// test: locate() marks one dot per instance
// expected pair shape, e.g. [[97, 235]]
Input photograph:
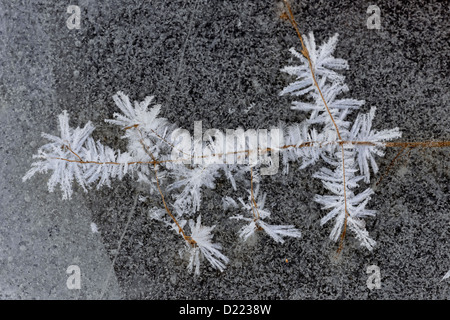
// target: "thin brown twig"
[[180, 229], [341, 243], [252, 195], [391, 165], [256, 216], [305, 53], [424, 144], [73, 152]]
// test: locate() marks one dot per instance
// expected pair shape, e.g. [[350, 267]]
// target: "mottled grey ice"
[[210, 61]]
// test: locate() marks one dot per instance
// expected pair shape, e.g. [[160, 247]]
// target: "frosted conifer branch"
[[72, 155], [203, 246], [194, 179], [322, 138], [362, 131], [277, 232], [324, 65], [340, 202]]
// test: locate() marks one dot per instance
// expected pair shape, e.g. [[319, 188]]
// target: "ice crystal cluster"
[[326, 137]]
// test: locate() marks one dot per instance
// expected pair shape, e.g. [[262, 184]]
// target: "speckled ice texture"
[[209, 61]]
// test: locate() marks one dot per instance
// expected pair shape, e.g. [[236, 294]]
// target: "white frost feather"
[[204, 247]]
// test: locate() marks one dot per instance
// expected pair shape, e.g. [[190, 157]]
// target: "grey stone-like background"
[[209, 61]]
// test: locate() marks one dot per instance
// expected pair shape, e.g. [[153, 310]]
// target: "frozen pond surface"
[[210, 61]]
